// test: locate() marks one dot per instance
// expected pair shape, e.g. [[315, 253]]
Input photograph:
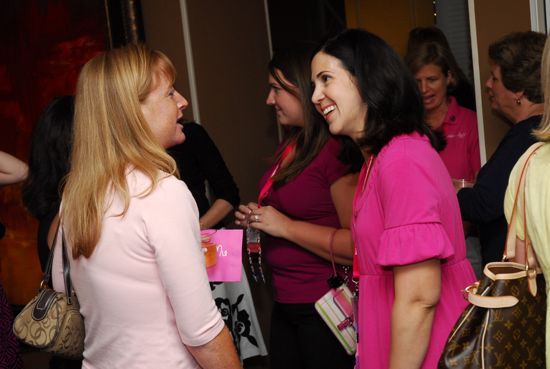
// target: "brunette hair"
[[294, 65], [519, 56], [421, 35], [111, 136], [49, 157], [385, 85]]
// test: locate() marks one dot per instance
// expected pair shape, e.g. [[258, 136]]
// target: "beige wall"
[[493, 19], [230, 50], [390, 19]]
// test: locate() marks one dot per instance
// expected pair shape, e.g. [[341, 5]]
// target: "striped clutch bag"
[[336, 309]]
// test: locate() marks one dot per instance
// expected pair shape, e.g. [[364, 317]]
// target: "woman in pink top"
[[406, 223], [432, 65], [132, 227]]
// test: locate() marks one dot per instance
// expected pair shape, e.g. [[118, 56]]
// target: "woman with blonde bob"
[[136, 266], [537, 192]]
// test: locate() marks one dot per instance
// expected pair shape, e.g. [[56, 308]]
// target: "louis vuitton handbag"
[[52, 321], [504, 325]]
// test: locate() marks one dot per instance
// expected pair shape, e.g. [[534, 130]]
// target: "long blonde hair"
[[111, 136], [543, 133]]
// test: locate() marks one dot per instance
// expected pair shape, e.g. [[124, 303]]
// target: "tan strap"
[[510, 249], [490, 302]]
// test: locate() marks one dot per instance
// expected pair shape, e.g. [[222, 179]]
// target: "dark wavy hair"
[[294, 63], [49, 157], [519, 55], [385, 84]]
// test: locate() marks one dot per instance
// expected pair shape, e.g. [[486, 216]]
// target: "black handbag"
[[51, 321], [504, 326]]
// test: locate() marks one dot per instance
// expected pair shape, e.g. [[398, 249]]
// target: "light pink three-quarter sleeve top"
[[144, 291]]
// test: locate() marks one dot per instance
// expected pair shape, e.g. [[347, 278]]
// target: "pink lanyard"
[[361, 185], [269, 183]]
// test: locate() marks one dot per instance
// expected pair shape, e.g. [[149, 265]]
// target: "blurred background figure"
[[12, 170], [434, 67], [199, 160], [461, 89], [514, 89], [48, 165]]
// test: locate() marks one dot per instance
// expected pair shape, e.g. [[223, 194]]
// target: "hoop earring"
[[518, 101]]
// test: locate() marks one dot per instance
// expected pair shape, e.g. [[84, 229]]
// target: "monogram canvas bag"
[[52, 321], [504, 325]]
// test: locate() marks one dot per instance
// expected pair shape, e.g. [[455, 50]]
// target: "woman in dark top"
[[199, 160], [48, 164], [515, 92]]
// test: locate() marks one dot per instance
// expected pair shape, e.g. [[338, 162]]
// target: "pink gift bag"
[[228, 257]]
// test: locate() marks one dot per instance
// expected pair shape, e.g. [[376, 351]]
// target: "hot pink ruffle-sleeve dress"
[[407, 213]]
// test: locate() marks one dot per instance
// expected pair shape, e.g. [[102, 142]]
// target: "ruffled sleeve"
[[413, 197], [414, 243]]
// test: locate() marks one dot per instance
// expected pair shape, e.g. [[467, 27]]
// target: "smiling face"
[[433, 83], [162, 108], [287, 106], [502, 99], [336, 96]]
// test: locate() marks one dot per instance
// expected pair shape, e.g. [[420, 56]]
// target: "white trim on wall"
[[538, 15], [189, 59], [280, 132], [477, 81]]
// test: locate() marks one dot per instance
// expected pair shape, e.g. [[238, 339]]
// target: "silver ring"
[[256, 218]]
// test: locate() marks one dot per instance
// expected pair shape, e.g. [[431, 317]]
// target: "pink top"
[[408, 213], [298, 275], [461, 155], [144, 292]]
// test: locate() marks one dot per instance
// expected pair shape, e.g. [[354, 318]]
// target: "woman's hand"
[[243, 215], [271, 221], [267, 219]]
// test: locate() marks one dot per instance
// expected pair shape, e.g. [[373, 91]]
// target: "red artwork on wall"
[[44, 44]]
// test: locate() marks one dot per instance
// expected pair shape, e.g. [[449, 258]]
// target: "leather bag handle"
[[510, 249], [66, 265], [531, 264]]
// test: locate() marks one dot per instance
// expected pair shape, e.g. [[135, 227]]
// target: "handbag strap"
[[510, 249], [48, 272], [66, 265], [66, 269], [330, 247]]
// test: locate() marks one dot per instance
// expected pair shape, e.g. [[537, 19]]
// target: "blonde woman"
[[132, 227], [537, 191]]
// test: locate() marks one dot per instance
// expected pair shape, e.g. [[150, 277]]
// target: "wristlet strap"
[[330, 247]]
